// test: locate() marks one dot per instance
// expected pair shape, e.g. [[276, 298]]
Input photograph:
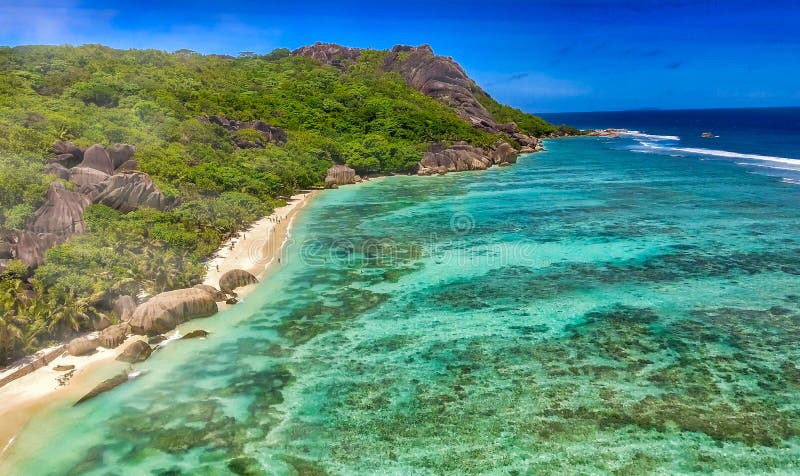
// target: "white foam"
[[649, 136], [725, 153]]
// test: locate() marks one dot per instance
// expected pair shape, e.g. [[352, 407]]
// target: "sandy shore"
[[256, 250]]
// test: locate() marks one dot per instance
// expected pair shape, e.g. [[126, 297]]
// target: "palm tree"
[[68, 313]]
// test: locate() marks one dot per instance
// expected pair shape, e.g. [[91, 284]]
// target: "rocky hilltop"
[[443, 79]]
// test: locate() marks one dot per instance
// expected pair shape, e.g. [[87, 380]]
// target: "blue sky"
[[541, 56]]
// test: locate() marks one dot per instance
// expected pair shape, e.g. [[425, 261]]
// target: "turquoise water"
[[590, 310]]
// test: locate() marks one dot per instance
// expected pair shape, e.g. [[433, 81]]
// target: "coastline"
[[255, 250]]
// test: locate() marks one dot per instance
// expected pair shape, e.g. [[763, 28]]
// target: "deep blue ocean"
[[607, 306], [764, 140]]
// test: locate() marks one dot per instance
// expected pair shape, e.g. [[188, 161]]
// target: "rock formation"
[[82, 346], [270, 134], [124, 307], [442, 79], [67, 153], [235, 278], [29, 247], [199, 333], [120, 153], [330, 54], [137, 351], [128, 191], [113, 336], [61, 213], [86, 177], [218, 295], [165, 311], [340, 175], [58, 170], [105, 386], [460, 157], [96, 157]]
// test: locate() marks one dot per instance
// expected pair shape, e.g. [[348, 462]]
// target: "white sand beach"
[[255, 250]]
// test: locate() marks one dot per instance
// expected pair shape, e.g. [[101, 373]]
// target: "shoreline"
[[254, 250]]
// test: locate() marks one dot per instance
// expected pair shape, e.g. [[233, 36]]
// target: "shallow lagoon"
[[588, 310]]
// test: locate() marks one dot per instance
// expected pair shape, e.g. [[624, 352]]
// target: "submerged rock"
[[104, 386], [165, 311], [199, 333], [137, 351], [235, 278]]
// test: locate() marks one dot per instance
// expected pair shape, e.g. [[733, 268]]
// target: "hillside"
[[214, 143]]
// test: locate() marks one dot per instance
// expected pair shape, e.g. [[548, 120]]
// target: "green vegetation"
[[527, 123], [363, 117]]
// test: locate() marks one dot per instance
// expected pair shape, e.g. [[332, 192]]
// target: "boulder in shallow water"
[[199, 333], [137, 351], [105, 386], [235, 278], [82, 346], [163, 312]]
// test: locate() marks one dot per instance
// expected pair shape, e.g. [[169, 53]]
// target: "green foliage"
[[527, 123], [361, 116]]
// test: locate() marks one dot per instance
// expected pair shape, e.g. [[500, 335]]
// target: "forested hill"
[[222, 139]]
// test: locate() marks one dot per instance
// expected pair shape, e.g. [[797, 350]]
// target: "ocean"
[[609, 305]]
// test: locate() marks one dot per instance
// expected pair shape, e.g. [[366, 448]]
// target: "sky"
[[540, 55]]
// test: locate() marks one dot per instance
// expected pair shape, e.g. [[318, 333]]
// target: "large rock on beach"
[[235, 278], [123, 307], [82, 346], [218, 295], [113, 336], [458, 157], [339, 175], [137, 351], [167, 310]]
